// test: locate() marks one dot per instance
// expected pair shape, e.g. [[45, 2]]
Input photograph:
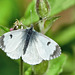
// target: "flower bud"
[[42, 8]]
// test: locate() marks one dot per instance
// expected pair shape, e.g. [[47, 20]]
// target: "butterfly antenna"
[[31, 18]]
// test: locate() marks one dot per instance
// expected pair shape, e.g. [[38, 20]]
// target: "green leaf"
[[48, 23], [45, 24], [41, 68], [29, 71], [56, 65], [3, 29], [69, 65], [59, 6], [30, 15], [8, 11], [66, 35]]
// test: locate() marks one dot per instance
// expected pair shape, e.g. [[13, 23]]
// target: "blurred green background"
[[62, 31]]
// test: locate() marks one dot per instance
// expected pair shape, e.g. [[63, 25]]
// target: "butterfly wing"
[[47, 48], [31, 55], [13, 43], [40, 47]]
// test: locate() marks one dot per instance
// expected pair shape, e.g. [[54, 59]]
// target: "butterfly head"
[[31, 28]]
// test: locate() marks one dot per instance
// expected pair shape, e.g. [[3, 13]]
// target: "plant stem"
[[21, 66]]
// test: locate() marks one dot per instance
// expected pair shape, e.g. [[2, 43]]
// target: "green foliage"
[[53, 67], [48, 23], [56, 65], [68, 33], [56, 7], [29, 71], [3, 29], [8, 11], [7, 65], [30, 14], [41, 68]]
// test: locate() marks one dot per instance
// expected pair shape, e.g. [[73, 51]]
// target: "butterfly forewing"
[[47, 48], [13, 43]]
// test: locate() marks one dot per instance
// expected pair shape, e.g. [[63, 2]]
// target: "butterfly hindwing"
[[17, 53]]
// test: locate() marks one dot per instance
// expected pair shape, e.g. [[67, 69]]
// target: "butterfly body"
[[29, 33], [32, 46]]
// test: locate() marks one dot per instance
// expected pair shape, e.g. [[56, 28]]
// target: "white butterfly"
[[32, 46]]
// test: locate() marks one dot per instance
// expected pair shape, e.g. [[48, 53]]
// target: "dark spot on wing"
[[48, 43], [2, 42], [57, 52], [11, 36]]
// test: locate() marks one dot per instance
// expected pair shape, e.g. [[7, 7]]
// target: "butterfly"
[[32, 46]]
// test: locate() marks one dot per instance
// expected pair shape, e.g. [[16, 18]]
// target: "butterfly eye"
[[48, 43], [11, 36]]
